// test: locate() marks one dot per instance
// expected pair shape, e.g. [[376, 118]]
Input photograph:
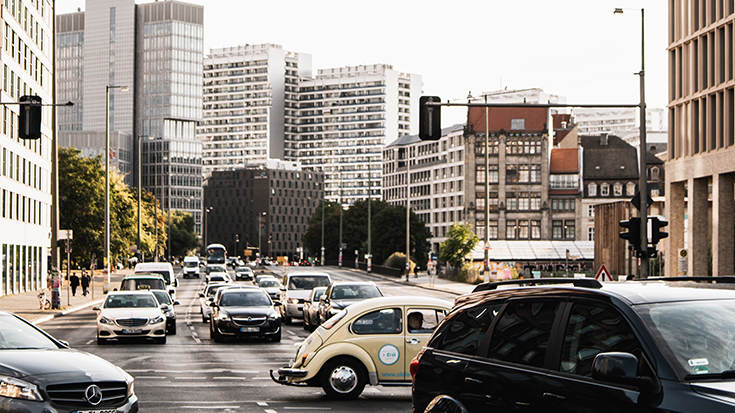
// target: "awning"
[[535, 250]]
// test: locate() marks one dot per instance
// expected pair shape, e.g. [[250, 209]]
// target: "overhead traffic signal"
[[634, 233], [29, 117], [656, 233], [430, 123]]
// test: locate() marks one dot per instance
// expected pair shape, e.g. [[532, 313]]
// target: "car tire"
[[101, 341], [161, 340], [214, 335], [288, 320], [306, 324], [343, 379], [276, 337], [172, 331]]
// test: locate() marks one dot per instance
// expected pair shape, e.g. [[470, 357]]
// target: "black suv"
[[582, 346]]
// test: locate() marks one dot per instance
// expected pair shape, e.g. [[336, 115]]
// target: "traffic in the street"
[[191, 372]]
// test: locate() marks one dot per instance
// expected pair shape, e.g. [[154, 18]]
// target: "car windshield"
[[268, 283], [191, 264], [308, 282], [162, 297], [130, 301], [217, 278], [165, 274], [699, 335], [16, 334], [351, 292], [211, 291], [142, 284], [244, 299]]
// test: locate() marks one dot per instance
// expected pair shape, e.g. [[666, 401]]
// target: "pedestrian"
[[85, 283], [74, 282]]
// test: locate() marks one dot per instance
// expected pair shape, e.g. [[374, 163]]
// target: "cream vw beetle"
[[371, 342]]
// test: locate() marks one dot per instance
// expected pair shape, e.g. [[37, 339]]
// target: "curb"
[[65, 312]]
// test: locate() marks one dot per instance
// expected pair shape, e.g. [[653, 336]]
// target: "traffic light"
[[634, 232], [656, 233], [29, 118], [430, 123]]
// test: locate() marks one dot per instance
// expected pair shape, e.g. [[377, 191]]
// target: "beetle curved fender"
[[321, 357]]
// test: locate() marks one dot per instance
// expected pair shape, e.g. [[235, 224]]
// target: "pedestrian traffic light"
[[656, 233], [634, 232], [430, 124], [29, 117]]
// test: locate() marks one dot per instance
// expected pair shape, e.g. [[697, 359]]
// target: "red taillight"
[[334, 320], [414, 367]]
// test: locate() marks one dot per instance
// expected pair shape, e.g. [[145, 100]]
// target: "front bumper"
[[294, 310], [286, 376], [115, 331], [17, 405], [230, 328]]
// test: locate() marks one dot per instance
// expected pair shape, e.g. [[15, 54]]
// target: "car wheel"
[[214, 335], [445, 404], [343, 379], [101, 341], [172, 330], [276, 337], [306, 325], [288, 320], [161, 340]]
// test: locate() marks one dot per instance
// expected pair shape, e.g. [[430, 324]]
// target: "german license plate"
[[95, 411], [131, 331], [249, 329]]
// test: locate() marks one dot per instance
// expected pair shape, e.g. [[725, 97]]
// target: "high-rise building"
[[155, 51], [250, 105], [700, 170], [346, 117], [25, 165]]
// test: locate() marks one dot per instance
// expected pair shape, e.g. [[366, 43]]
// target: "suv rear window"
[[522, 333], [464, 333]]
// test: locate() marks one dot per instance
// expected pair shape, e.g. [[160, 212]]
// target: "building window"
[[535, 174], [569, 229], [511, 202], [480, 228], [562, 204], [630, 189], [591, 234], [556, 229], [517, 124], [535, 229], [493, 234], [523, 229], [618, 189], [510, 229], [604, 190], [655, 173], [511, 174], [592, 189], [591, 211]]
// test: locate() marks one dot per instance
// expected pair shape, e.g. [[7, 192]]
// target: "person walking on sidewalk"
[[74, 282], [85, 283]]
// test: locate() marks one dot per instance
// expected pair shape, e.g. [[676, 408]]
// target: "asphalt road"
[[191, 373]]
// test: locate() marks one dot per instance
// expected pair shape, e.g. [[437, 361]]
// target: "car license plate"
[[249, 329], [95, 411], [132, 330]]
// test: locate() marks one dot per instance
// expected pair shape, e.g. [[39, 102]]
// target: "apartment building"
[[250, 105], [346, 118], [25, 165]]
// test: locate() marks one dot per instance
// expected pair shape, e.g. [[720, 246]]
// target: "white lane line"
[[150, 377], [212, 407], [262, 404], [89, 342], [190, 378], [261, 378], [244, 371], [230, 378], [270, 411], [306, 408]]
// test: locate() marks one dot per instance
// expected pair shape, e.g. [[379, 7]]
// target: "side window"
[[385, 321], [522, 333], [593, 329], [465, 332], [423, 320]]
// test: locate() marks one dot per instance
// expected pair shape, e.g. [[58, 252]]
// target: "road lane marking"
[[262, 404], [306, 408], [230, 378], [150, 377], [212, 407]]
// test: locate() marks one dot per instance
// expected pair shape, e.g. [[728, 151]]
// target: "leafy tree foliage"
[[183, 237], [461, 240], [388, 231]]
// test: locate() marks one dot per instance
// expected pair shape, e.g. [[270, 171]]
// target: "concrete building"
[[346, 117], [268, 206], [437, 178], [700, 170], [25, 165], [618, 121], [250, 105], [156, 50]]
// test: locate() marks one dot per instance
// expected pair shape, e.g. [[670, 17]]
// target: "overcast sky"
[[574, 48]]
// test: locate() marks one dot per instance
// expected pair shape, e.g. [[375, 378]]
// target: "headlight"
[[222, 316], [295, 301], [105, 320], [130, 381], [272, 316], [158, 319], [18, 389]]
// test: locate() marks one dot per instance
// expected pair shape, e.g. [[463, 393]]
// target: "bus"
[[216, 254]]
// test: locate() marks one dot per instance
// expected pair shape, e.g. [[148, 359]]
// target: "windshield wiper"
[[727, 374]]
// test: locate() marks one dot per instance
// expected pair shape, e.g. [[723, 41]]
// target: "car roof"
[[143, 276], [341, 283], [134, 292], [153, 266], [398, 300], [307, 273]]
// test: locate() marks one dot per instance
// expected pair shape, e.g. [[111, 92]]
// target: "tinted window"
[[386, 321], [521, 334], [307, 282], [464, 333], [591, 330], [350, 292], [17, 334], [244, 299]]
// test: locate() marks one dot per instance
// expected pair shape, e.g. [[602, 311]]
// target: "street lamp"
[[106, 277], [643, 183], [261, 229], [206, 225]]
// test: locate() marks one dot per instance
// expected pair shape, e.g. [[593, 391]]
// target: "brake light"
[[414, 367], [334, 320]]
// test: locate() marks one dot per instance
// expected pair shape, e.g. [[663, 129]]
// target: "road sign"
[[603, 274], [487, 246], [636, 201], [65, 234]]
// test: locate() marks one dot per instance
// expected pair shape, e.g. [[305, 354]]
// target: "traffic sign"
[[636, 201], [487, 246], [603, 274]]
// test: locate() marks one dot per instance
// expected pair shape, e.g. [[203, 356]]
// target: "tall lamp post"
[[642, 151], [106, 280], [206, 224], [261, 229]]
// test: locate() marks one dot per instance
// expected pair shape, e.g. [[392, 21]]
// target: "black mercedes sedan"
[[245, 312], [41, 374]]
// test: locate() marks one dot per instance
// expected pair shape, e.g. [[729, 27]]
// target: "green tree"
[[461, 240], [183, 237]]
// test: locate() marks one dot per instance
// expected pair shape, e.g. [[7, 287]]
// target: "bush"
[[398, 260]]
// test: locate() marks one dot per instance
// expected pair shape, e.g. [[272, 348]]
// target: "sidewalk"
[[26, 304], [432, 283]]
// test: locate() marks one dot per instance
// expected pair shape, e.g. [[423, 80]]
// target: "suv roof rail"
[[724, 280], [577, 282]]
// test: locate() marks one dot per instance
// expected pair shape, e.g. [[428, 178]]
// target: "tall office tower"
[[700, 170], [25, 165], [250, 105], [346, 117], [146, 61]]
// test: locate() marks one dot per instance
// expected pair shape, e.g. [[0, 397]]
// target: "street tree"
[[461, 240], [183, 236]]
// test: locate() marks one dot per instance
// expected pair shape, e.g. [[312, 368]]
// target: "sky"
[[577, 49]]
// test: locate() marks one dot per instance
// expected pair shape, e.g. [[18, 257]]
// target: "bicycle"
[[43, 302]]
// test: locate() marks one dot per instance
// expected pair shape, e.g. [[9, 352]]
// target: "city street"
[[192, 373]]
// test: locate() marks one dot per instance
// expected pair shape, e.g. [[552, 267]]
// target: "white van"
[[165, 269], [191, 267]]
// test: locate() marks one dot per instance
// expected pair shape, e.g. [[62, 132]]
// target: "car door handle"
[[554, 396], [470, 380], [412, 340]]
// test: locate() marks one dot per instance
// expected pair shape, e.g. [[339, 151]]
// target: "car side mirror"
[[617, 367], [201, 295], [176, 282], [210, 299], [96, 308], [282, 288], [64, 343], [176, 303], [164, 307], [277, 303], [323, 298]]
